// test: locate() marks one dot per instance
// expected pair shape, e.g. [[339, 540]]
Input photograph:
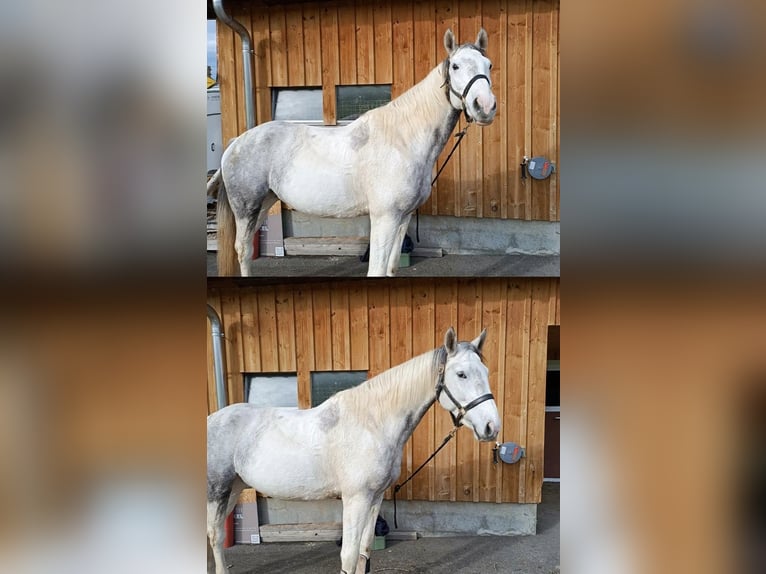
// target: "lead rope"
[[398, 487], [460, 135]]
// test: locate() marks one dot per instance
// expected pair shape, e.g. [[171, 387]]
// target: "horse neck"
[[398, 398], [425, 112]]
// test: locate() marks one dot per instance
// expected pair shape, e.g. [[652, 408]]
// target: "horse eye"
[[490, 66], [455, 66], [461, 374]]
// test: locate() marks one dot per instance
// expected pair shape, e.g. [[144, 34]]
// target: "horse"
[[378, 165], [349, 447]]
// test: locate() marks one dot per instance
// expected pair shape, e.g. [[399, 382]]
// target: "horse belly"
[[322, 189], [288, 474]]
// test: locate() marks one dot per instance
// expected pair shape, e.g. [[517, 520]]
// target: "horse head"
[[467, 75], [463, 387]]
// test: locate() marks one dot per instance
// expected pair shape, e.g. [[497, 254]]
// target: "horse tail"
[[214, 183], [228, 264]]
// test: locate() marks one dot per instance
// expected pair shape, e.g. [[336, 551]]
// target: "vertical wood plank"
[[341, 336], [312, 42], [304, 343], [424, 42], [267, 329], [403, 57], [322, 328], [422, 342], [278, 28], [378, 300], [538, 354], [518, 294], [445, 316], [470, 199], [543, 137], [360, 337], [262, 62], [494, 137], [296, 64], [518, 109], [251, 345], [330, 61], [469, 320], [383, 42], [448, 184], [401, 351], [347, 42], [285, 308], [227, 80], [493, 320], [365, 44], [232, 325]]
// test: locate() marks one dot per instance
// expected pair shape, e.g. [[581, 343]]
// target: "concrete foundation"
[[456, 235], [426, 518]]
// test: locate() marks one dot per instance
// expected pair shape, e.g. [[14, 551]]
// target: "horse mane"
[[398, 387], [405, 115]]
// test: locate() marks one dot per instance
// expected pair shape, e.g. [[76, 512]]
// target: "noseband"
[[462, 410]]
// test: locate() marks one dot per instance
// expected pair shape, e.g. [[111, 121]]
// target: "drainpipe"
[[219, 359], [247, 59]]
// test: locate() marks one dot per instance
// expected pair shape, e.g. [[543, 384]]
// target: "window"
[[271, 390], [325, 384], [353, 101], [297, 104]]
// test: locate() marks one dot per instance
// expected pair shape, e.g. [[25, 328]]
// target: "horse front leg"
[[365, 544], [395, 255], [356, 512], [383, 231]]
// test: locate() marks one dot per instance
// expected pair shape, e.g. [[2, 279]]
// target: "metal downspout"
[[219, 359], [247, 59]]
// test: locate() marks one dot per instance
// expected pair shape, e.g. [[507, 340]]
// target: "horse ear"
[[449, 41], [482, 40], [478, 342], [450, 341]]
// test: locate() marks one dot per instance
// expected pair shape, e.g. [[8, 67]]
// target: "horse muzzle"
[[483, 111]]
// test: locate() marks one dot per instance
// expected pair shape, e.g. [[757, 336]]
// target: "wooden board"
[[310, 532], [352, 246], [398, 43], [374, 325]]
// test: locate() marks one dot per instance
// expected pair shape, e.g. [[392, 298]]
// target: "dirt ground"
[[538, 554]]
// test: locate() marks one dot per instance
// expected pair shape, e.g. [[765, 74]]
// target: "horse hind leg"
[[396, 250], [383, 231], [248, 224], [219, 506]]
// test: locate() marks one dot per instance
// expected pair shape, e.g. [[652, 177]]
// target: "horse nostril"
[[477, 105], [494, 106], [488, 430]]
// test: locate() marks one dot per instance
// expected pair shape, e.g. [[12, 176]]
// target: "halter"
[[462, 410]]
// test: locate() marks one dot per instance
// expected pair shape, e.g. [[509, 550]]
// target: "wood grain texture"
[[397, 43], [375, 325]]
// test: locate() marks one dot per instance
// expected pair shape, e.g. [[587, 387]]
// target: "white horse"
[[350, 446], [380, 164]]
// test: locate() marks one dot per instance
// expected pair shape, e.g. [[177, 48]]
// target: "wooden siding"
[[398, 42], [373, 326]]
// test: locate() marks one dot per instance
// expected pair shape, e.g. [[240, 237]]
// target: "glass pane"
[[304, 104], [272, 390], [353, 101], [326, 384]]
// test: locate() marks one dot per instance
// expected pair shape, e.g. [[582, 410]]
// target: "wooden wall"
[[398, 42], [372, 325]]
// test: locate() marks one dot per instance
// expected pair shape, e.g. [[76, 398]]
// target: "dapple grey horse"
[[381, 164], [349, 447]]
